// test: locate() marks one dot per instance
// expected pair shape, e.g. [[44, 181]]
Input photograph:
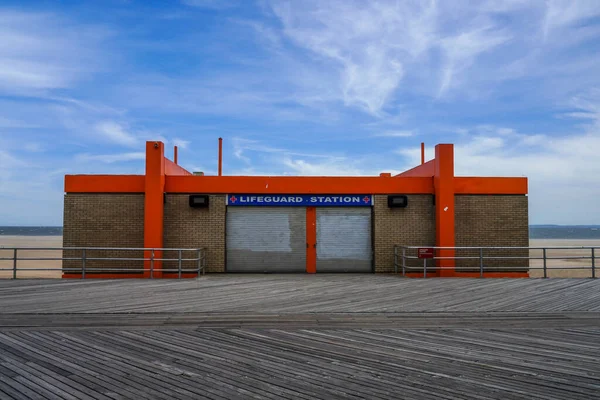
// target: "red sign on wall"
[[425, 252]]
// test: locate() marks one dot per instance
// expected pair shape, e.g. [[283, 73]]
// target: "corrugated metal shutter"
[[344, 239], [266, 239]]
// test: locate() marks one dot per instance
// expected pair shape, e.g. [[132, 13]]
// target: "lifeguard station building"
[[293, 223]]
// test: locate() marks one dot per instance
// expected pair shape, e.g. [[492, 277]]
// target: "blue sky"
[[323, 87]]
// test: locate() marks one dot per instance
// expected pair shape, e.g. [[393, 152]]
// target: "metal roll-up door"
[[266, 239], [344, 239]]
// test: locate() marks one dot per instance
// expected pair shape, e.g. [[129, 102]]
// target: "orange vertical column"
[[154, 205], [311, 240], [443, 181]]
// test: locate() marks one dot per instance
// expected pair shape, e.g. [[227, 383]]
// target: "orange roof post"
[[443, 182], [154, 205], [175, 154], [220, 156], [422, 153]]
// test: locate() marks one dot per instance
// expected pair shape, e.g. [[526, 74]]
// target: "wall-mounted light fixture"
[[397, 201], [198, 201]]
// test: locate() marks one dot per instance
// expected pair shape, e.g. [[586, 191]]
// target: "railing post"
[[424, 268], [199, 256], [544, 256], [481, 262], [15, 264], [83, 264], [179, 267], [404, 261], [593, 262], [395, 259], [152, 264]]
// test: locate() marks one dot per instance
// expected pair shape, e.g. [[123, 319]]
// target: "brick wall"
[[495, 221], [103, 220], [187, 227], [410, 226], [117, 220]]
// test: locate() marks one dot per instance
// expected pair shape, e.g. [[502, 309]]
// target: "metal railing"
[[549, 263], [85, 262]]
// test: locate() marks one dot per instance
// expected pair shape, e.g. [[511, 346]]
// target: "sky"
[[315, 87]]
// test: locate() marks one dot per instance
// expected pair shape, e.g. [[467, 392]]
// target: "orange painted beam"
[[480, 185], [172, 169], [104, 183], [154, 204], [444, 205], [297, 185], [425, 170], [136, 184], [311, 240]]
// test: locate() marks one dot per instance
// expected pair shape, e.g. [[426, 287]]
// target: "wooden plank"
[[414, 320]]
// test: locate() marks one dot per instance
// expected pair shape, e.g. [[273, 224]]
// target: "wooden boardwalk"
[[300, 294], [300, 337], [302, 364]]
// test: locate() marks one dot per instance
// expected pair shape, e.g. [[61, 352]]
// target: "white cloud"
[[375, 45], [562, 13], [588, 105], [211, 4], [260, 159], [369, 45], [462, 50], [332, 167], [49, 53], [33, 147], [111, 158], [563, 170], [395, 134], [13, 123], [242, 146], [379, 51], [563, 173], [180, 143], [8, 161], [115, 133]]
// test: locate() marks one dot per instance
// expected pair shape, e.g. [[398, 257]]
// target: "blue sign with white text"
[[301, 200]]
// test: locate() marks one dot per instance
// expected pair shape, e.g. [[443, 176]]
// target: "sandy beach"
[[565, 267], [24, 266]]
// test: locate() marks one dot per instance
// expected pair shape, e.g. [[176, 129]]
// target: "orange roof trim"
[[104, 183], [479, 185], [297, 185]]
